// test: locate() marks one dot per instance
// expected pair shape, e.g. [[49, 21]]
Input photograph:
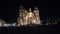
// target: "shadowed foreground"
[[34, 29]]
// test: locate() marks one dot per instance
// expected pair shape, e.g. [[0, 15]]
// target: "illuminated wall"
[[1, 22]]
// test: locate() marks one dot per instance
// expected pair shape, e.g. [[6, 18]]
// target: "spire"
[[30, 10]]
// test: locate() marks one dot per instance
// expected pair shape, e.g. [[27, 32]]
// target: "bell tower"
[[37, 16]]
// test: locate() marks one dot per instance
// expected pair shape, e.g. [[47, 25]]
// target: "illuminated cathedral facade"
[[27, 17]]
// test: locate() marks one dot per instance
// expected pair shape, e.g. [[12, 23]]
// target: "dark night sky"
[[9, 9]]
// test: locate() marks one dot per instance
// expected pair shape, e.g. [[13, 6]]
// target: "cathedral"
[[28, 17]]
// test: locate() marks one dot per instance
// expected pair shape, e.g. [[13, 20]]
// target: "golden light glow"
[[28, 17], [30, 14], [1, 22]]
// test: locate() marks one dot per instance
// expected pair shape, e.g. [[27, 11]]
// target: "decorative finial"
[[26, 11], [30, 9]]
